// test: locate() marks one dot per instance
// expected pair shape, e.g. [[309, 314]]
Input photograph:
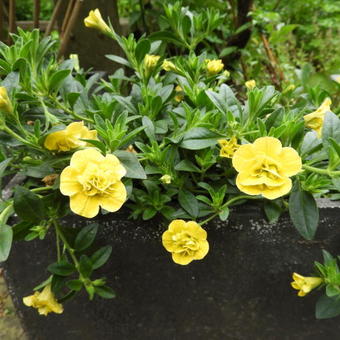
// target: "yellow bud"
[[214, 66], [169, 66], [250, 84], [5, 103], [290, 87], [179, 94], [75, 57], [166, 179], [226, 74], [95, 20], [150, 62]]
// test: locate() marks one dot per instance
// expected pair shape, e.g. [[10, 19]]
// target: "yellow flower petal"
[[181, 258], [86, 206], [243, 157], [291, 162], [81, 159], [69, 185], [115, 201], [202, 251]]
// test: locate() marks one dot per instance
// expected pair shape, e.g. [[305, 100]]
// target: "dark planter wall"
[[241, 290]]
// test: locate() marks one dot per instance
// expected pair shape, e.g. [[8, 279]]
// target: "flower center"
[[186, 243], [96, 181], [268, 170]]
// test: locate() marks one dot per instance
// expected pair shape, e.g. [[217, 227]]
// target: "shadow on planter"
[[241, 290]]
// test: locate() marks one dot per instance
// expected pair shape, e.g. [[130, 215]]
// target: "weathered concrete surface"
[[241, 290], [10, 326]]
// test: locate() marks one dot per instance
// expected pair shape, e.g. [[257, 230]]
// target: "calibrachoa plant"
[[170, 137]]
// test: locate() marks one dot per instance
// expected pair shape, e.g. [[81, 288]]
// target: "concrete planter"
[[241, 290]]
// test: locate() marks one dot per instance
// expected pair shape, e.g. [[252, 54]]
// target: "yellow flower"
[[95, 20], [336, 77], [265, 167], [305, 284], [228, 147], [250, 84], [214, 66], [69, 138], [44, 301], [187, 241], [179, 94], [166, 179], [169, 66], [5, 103], [315, 119], [150, 61], [92, 180]]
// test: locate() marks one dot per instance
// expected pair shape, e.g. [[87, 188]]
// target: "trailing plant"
[[168, 138]]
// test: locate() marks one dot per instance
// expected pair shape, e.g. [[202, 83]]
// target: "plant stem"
[[71, 112], [6, 213], [227, 204], [67, 246], [327, 172], [41, 189]]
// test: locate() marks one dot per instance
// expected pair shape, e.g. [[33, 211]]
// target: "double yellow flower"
[[264, 167], [186, 241]]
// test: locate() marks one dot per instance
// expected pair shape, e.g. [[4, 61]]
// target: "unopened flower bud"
[[95, 20], [166, 179], [5, 103], [169, 66], [214, 66], [250, 84]]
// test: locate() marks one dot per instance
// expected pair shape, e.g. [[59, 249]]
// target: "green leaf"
[[142, 48], [149, 128], [3, 166], [86, 237], [100, 257], [105, 292], [131, 164], [167, 36], [85, 266], [224, 214], [118, 59], [28, 205], [126, 103], [57, 79], [327, 307], [224, 100], [149, 213], [188, 202], [272, 211], [199, 138], [75, 285], [332, 291], [303, 212], [6, 237], [61, 268], [187, 165], [331, 128]]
